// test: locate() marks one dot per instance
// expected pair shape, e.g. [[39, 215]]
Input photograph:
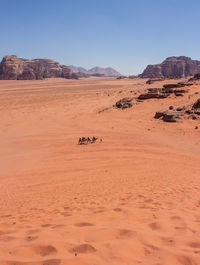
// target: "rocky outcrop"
[[186, 112], [172, 67], [165, 91], [196, 105], [168, 116], [11, 67], [124, 103], [195, 77], [153, 94], [14, 68], [177, 85]]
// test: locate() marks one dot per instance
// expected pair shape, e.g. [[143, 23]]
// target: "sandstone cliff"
[[12, 67], [172, 67]]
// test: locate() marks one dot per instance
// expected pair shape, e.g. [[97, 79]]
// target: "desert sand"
[[132, 199]]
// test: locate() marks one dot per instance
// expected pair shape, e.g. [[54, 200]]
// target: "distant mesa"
[[14, 68], [172, 67]]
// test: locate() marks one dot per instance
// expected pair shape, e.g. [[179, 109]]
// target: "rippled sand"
[[132, 199]]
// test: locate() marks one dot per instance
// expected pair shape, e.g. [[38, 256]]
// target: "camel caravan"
[[87, 140]]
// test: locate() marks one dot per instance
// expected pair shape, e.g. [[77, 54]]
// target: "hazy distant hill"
[[98, 71], [78, 69], [104, 71], [172, 67]]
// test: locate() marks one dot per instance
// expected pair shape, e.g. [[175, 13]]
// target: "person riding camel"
[[94, 139]]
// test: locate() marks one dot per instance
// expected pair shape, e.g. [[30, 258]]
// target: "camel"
[[94, 139], [84, 140]]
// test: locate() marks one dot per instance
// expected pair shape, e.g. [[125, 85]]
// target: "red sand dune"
[[132, 199]]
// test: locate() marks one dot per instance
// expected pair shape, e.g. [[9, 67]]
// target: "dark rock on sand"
[[168, 116], [124, 103], [177, 94], [164, 92], [195, 77], [177, 85], [180, 108], [121, 77], [196, 105], [193, 111], [152, 94], [188, 112], [151, 81]]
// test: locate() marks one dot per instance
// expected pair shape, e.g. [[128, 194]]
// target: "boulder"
[[180, 109], [188, 112], [178, 94]]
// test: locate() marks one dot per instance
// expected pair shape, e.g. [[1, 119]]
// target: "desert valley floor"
[[133, 198]]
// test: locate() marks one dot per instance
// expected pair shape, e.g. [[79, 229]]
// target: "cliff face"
[[13, 68], [172, 67]]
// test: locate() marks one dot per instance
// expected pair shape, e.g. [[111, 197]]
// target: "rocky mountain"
[[12, 67], [109, 72], [172, 67], [96, 71], [78, 69]]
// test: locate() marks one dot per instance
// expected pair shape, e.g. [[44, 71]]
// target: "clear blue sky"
[[124, 34]]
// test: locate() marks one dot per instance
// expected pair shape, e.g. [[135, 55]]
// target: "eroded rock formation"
[[14, 68], [176, 67]]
